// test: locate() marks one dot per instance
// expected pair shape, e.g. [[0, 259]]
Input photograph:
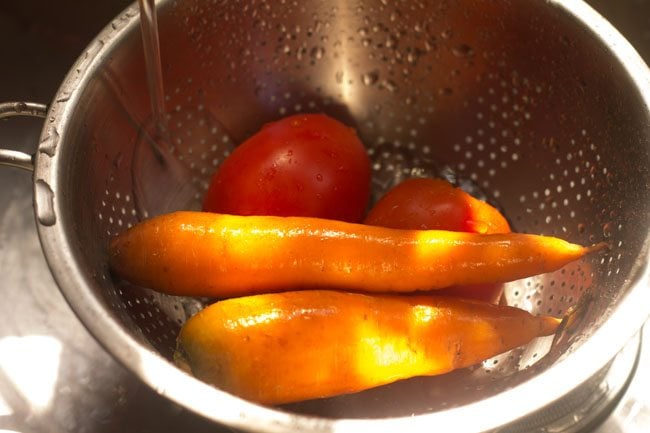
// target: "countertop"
[[54, 377]]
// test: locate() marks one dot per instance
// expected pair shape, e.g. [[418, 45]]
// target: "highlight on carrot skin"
[[293, 346], [205, 254], [435, 204]]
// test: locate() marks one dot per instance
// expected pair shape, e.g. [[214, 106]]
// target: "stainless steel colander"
[[539, 107]]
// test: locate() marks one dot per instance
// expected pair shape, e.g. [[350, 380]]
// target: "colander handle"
[[14, 158]]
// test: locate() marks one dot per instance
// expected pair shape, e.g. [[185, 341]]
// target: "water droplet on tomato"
[[319, 177], [331, 153], [270, 173]]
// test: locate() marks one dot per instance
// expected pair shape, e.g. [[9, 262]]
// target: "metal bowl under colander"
[[539, 107]]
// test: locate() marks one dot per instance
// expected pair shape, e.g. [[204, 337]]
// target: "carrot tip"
[[550, 324]]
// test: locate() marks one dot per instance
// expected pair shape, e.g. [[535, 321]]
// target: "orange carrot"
[[435, 204], [292, 346], [204, 254]]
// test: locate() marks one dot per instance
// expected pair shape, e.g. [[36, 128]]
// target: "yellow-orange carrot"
[[292, 346], [433, 203], [205, 254]]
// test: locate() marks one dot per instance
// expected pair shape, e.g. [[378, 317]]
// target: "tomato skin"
[[301, 165], [435, 204]]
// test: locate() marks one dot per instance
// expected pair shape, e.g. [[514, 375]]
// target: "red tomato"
[[435, 204], [302, 165]]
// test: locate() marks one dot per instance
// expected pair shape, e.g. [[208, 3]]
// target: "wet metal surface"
[[53, 376]]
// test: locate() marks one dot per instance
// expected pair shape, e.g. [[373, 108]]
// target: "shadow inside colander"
[[418, 395]]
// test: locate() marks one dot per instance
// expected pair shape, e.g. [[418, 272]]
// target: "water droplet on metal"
[[391, 42], [413, 56], [430, 44], [317, 53], [300, 52], [581, 228], [49, 143], [88, 56], [607, 230], [370, 78], [390, 85], [65, 95], [446, 34], [462, 50], [44, 203]]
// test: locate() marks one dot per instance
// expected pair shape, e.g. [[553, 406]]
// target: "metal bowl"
[[538, 107]]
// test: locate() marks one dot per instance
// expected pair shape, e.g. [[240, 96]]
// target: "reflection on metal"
[[32, 363], [14, 158]]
